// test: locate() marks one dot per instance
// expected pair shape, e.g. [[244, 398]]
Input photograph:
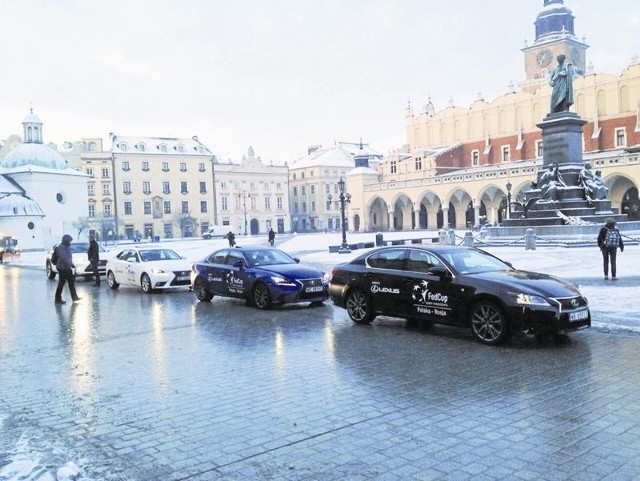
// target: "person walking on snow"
[[609, 239], [64, 263], [272, 236]]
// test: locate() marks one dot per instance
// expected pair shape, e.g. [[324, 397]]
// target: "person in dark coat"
[[94, 258], [272, 236], [609, 239], [64, 265], [231, 238]]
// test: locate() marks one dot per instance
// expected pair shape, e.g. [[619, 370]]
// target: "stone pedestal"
[[562, 141]]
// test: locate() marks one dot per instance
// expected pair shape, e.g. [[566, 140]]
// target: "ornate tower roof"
[[555, 19], [32, 151]]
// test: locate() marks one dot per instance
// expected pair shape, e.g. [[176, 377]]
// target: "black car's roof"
[[437, 248]]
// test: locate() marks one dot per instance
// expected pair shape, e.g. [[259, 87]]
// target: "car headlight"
[[157, 271], [281, 281], [326, 278], [523, 299]]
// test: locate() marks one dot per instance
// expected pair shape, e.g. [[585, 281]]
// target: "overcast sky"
[[278, 75]]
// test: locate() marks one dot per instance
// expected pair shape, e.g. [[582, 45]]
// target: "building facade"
[[252, 197], [41, 196], [460, 165], [313, 184], [157, 187]]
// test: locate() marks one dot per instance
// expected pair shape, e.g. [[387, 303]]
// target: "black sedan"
[[264, 276], [460, 286]]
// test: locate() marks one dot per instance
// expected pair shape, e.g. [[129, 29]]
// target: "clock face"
[[544, 57]]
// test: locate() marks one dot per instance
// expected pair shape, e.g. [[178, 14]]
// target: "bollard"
[[379, 239], [442, 238], [468, 239], [529, 239], [451, 237]]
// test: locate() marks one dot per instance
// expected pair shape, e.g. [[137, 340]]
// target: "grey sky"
[[279, 75]]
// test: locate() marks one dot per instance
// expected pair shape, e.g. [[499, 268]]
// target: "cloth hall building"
[[460, 164]]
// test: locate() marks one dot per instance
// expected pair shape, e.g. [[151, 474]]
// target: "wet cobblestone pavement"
[[128, 386]]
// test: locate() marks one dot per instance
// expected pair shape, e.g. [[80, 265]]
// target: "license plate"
[[578, 316], [183, 278], [314, 289]]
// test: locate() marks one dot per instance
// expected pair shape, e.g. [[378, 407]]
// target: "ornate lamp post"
[[509, 199], [345, 198], [244, 196]]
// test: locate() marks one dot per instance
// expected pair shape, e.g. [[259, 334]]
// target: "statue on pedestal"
[[549, 182], [593, 185], [562, 82]]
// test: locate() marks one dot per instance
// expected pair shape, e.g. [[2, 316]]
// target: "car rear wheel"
[[145, 283], [49, 269], [111, 280], [261, 296], [489, 324], [200, 288], [359, 307]]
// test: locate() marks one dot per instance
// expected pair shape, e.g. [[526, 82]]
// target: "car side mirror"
[[239, 264], [131, 259], [440, 271], [297, 260]]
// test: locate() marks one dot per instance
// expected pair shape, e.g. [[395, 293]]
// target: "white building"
[[252, 197], [41, 198]]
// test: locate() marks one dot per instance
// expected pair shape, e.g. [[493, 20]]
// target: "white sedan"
[[150, 268]]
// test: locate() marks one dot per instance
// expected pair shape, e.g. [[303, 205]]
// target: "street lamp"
[[509, 199], [345, 198], [244, 196]]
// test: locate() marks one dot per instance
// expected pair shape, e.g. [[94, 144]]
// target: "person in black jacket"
[[272, 236], [231, 238], [609, 239], [64, 264], [94, 258]]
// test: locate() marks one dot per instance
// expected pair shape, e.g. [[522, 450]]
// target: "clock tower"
[[554, 36]]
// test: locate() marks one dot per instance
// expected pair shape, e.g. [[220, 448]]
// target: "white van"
[[216, 231]]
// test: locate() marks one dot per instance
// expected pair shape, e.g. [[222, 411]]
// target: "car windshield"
[[158, 255], [471, 261], [268, 257]]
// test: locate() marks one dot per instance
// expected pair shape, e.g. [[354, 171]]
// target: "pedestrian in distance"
[[231, 238], [63, 261], [609, 239], [272, 236], [93, 253]]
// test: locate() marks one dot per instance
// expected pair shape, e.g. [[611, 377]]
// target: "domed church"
[[40, 196]]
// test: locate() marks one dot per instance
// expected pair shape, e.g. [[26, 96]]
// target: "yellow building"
[[461, 164], [162, 187]]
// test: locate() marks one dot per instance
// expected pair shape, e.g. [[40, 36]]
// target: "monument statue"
[[549, 182], [593, 185], [562, 82]]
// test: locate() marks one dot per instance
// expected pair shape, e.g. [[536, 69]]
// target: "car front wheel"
[[261, 296], [359, 307], [202, 293], [145, 283], [49, 269], [489, 324], [111, 280]]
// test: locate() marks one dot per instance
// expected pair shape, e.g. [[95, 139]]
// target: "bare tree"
[[80, 225], [185, 223], [104, 225]]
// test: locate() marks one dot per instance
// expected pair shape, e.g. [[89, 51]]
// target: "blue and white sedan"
[[264, 276], [150, 268]]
